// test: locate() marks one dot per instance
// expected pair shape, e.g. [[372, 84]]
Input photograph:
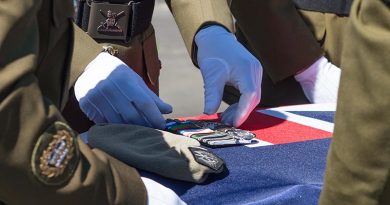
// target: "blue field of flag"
[[290, 172]]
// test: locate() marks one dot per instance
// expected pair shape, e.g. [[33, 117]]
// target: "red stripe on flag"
[[274, 130], [280, 131]]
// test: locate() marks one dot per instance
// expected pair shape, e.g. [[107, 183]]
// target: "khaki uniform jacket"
[[358, 163], [42, 161]]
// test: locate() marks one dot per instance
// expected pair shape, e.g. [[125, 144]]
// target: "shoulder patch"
[[206, 158], [55, 155]]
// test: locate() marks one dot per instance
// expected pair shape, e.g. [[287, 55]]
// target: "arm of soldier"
[[85, 49], [32, 128], [192, 15], [275, 31], [205, 27], [358, 161]]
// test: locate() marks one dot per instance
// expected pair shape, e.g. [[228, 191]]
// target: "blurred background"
[[181, 83]]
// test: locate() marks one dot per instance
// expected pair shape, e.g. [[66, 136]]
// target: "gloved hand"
[[110, 92], [320, 82], [224, 61]]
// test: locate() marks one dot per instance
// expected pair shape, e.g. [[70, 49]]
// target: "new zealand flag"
[[286, 165]]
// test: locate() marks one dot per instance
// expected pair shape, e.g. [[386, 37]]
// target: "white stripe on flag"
[[308, 121], [259, 143], [307, 107]]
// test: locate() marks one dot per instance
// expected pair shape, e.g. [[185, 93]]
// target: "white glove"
[[320, 82], [110, 92], [223, 60]]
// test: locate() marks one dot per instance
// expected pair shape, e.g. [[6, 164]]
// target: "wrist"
[[96, 71]]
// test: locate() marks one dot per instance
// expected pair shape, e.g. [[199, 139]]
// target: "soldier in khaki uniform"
[[36, 45], [358, 161], [136, 46], [285, 40], [291, 37], [42, 160], [206, 28], [272, 29]]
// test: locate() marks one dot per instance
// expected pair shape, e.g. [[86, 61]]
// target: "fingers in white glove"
[[248, 101], [224, 61], [164, 108], [110, 92], [88, 105], [143, 108], [250, 94], [131, 115], [123, 112], [149, 110], [236, 114], [214, 82], [227, 117]]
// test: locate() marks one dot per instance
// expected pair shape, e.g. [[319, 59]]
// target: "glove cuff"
[[312, 71], [97, 70], [211, 32]]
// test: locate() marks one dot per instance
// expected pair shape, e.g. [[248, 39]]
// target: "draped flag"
[[285, 166]]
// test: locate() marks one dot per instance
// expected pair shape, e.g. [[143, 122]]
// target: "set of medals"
[[210, 133]]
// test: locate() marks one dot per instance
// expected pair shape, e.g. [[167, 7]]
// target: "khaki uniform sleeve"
[[41, 159], [85, 49], [358, 161], [278, 36], [191, 15]]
